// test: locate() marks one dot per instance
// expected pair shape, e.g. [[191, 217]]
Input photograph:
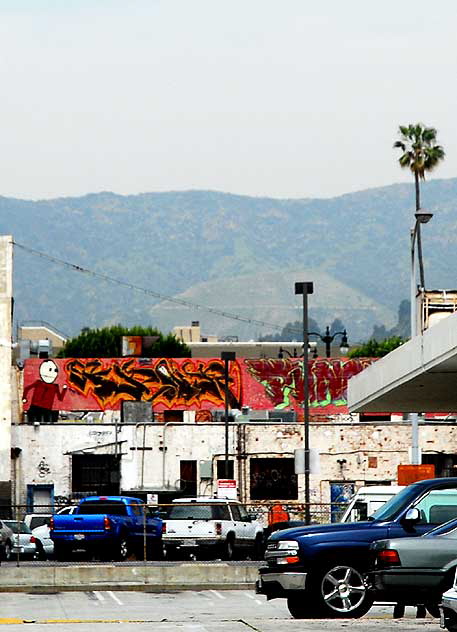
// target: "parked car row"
[[338, 570]]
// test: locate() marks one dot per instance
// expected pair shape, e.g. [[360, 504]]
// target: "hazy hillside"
[[236, 253]]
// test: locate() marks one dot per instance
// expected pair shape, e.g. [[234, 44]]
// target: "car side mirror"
[[412, 516]]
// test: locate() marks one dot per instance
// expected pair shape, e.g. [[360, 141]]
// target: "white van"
[[367, 500]]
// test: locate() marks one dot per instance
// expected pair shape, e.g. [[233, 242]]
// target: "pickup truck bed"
[[108, 527]]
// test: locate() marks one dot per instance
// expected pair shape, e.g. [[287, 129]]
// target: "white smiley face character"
[[48, 371]]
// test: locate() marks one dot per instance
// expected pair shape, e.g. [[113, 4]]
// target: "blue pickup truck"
[[321, 569], [109, 527]]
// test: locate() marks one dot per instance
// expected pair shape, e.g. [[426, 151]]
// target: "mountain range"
[[230, 253]]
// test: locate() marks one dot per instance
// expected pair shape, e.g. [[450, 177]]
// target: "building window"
[[273, 479], [188, 478], [173, 416], [220, 469]]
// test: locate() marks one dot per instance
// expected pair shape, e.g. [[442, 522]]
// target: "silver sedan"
[[24, 543]]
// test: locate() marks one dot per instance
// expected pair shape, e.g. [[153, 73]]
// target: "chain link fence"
[[102, 530]]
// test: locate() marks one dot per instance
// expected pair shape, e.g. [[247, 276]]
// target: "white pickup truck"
[[211, 527]]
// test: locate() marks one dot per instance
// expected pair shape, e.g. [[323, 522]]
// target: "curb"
[[146, 578]]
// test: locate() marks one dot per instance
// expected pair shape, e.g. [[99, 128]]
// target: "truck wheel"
[[122, 549], [154, 550], [450, 620], [7, 551], [60, 552], [258, 548], [300, 608], [228, 552], [340, 591]]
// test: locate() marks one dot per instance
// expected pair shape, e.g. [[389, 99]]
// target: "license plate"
[[79, 536], [190, 543]]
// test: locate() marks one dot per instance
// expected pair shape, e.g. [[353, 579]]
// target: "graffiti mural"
[[186, 384], [282, 381], [45, 390], [102, 384]]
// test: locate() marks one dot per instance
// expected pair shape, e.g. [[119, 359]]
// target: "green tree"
[[106, 343], [401, 329], [376, 349], [420, 154], [291, 332]]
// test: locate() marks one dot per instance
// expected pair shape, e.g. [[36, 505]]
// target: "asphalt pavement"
[[186, 611]]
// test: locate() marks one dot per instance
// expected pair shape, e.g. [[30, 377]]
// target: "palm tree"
[[419, 154]]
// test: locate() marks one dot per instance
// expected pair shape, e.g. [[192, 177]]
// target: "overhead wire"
[[149, 292]]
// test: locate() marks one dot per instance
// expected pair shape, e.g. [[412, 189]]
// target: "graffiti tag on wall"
[[187, 384], [166, 383], [282, 380]]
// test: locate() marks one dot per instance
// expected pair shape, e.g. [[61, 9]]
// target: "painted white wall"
[[371, 451]]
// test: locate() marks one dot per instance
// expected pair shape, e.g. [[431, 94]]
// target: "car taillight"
[[32, 539], [218, 528], [388, 557], [51, 523], [107, 523], [164, 527]]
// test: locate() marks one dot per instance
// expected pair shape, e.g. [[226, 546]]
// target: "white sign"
[[314, 461], [226, 488], [152, 499]]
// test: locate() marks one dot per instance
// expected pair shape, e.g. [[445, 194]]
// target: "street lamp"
[[328, 338], [226, 356], [312, 348], [422, 217], [305, 288]]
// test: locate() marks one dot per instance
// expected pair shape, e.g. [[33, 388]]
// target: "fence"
[[133, 532]]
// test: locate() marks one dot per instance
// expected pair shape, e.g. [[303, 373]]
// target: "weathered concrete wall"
[[357, 452], [6, 293], [123, 577]]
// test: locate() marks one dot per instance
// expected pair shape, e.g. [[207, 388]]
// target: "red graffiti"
[[327, 380]]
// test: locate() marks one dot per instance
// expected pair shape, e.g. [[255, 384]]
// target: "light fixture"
[[423, 216], [344, 346]]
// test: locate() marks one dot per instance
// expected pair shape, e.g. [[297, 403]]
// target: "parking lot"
[[186, 611]]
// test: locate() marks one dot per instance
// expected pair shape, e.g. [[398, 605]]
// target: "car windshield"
[[38, 521], [390, 509], [17, 527], [198, 512], [112, 507]]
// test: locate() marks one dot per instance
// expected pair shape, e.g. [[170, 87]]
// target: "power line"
[[137, 288]]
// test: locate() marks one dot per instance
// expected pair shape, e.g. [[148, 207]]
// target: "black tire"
[[7, 551], [258, 549], [40, 552], [450, 620], [61, 552], [154, 550], [228, 551], [339, 591], [122, 548], [300, 607]]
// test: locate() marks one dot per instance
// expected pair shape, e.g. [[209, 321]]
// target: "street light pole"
[[305, 288], [422, 217], [328, 338], [226, 356]]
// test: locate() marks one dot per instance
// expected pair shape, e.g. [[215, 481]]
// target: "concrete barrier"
[[153, 577]]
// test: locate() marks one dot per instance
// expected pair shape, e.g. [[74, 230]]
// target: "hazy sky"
[[262, 97]]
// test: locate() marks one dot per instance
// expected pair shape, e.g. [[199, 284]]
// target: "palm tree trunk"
[[418, 191]]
